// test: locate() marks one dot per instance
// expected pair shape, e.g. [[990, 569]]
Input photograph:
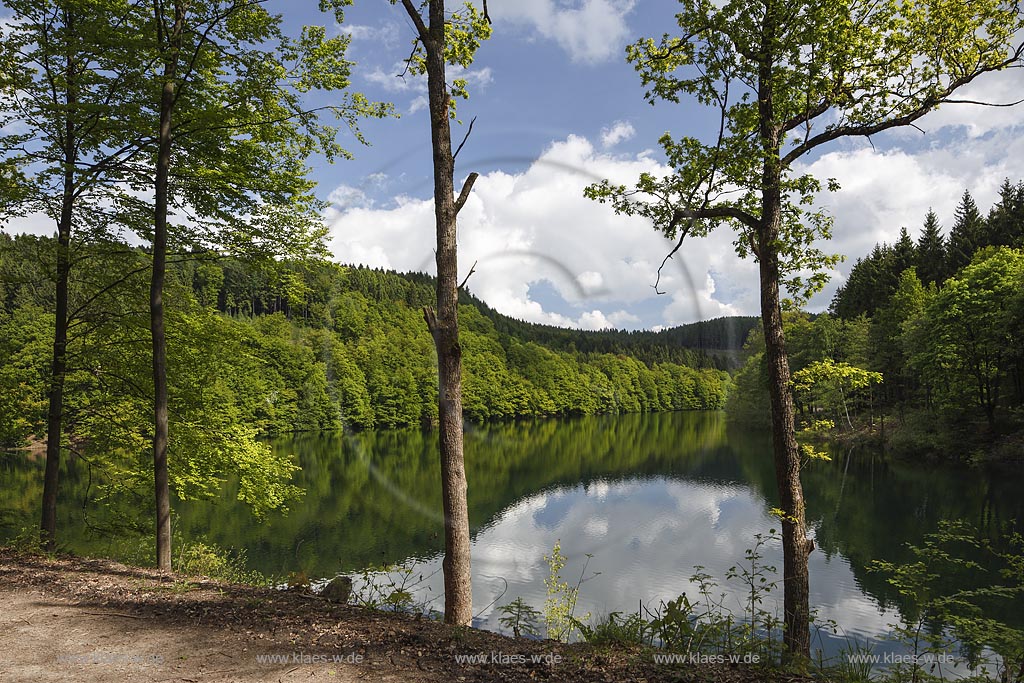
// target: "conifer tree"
[[904, 255], [966, 236], [931, 251], [1006, 219]]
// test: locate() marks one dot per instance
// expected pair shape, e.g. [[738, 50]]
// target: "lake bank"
[[649, 497], [924, 435], [96, 621]]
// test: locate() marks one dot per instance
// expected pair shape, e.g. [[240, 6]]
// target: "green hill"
[[292, 347]]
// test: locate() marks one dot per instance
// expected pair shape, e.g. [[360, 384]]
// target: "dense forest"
[[303, 292], [297, 346], [941, 319]]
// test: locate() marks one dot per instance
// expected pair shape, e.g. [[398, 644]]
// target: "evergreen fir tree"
[[1005, 225], [904, 255], [966, 236], [883, 277], [931, 251], [869, 284]]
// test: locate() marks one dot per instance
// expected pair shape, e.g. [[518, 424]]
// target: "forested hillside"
[[303, 292], [281, 347], [940, 318]]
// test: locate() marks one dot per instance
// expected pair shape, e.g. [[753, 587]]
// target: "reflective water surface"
[[638, 499]]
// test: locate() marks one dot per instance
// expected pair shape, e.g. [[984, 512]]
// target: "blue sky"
[[558, 107]]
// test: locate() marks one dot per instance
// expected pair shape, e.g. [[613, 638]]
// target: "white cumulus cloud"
[[537, 227], [588, 30], [620, 131], [884, 190]]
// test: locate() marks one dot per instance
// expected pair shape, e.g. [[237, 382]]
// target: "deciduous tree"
[[70, 80], [442, 39], [233, 135], [786, 79], [971, 329]]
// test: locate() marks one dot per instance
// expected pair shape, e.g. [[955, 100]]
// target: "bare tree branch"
[[417, 20], [431, 319], [467, 187], [984, 104], [459, 149], [679, 244], [703, 212], [472, 269], [408, 60]]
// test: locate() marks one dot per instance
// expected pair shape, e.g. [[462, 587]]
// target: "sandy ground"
[[48, 638], [97, 621]]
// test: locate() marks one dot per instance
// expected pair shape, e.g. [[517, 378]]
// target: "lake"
[[638, 499]]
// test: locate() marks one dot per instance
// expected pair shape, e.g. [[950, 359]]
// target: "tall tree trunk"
[[156, 299], [58, 364], [444, 326], [796, 547]]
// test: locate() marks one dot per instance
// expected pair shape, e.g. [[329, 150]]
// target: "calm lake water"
[[646, 497]]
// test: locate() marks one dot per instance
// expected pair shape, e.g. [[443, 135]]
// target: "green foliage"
[[748, 401], [826, 355], [947, 334], [241, 171], [379, 358], [784, 80], [874, 278], [239, 374], [830, 384], [615, 630], [199, 558], [26, 542], [560, 603], [520, 618], [391, 587], [705, 626], [26, 338], [215, 410], [972, 331], [939, 619], [464, 30], [931, 251]]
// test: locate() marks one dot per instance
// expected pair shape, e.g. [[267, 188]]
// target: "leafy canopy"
[[464, 30], [785, 78]]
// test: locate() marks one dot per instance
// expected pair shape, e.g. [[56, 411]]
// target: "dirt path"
[[96, 621], [86, 620], [47, 638]]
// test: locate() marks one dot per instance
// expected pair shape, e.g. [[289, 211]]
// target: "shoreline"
[[97, 620]]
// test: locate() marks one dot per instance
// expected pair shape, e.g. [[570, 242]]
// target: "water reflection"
[[649, 496], [644, 536]]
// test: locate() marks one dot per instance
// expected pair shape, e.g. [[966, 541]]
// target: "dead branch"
[[459, 148], [472, 269], [431, 319], [466, 189], [984, 104]]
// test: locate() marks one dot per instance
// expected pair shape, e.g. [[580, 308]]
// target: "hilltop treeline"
[[286, 347], [942, 320], [303, 292], [935, 256]]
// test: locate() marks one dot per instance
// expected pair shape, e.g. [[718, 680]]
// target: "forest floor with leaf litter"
[[88, 620]]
